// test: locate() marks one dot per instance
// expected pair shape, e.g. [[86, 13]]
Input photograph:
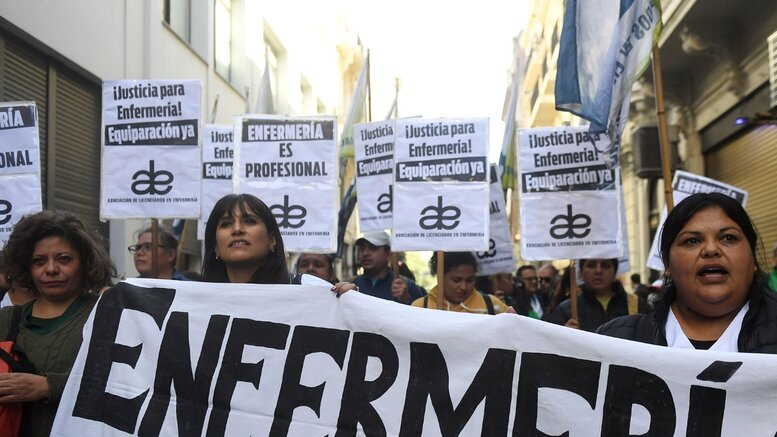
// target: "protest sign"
[[291, 164], [569, 197], [20, 190], [683, 185], [440, 184], [374, 157], [169, 358], [499, 256], [217, 154], [151, 149]]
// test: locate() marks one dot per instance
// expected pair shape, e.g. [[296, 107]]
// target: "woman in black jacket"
[[714, 294]]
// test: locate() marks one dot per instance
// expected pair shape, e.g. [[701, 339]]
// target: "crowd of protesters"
[[714, 294]]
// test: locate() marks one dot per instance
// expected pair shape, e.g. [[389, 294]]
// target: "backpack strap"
[[16, 320], [21, 364], [426, 301], [633, 300], [489, 304]]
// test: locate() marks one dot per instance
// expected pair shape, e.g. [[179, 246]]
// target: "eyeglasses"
[[544, 279], [145, 247], [531, 279]]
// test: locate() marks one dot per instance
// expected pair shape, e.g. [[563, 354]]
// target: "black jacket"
[[522, 301], [591, 313], [758, 334]]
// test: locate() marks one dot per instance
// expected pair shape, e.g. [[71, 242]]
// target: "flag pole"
[[179, 250], [573, 290], [440, 280], [369, 87], [396, 97], [666, 157], [154, 245], [395, 265]]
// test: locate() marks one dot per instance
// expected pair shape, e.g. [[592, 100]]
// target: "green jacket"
[[773, 280], [52, 355]]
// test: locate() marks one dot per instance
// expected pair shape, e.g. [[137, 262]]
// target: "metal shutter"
[[69, 126], [24, 76], [75, 158], [750, 162]]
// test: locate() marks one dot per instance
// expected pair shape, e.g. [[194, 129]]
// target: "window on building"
[[188, 19], [177, 14], [223, 36], [273, 65], [308, 105]]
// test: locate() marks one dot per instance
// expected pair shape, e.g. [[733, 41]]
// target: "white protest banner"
[[499, 256], [374, 157], [217, 155], [172, 358], [440, 184], [291, 164], [683, 185], [569, 197], [151, 149], [20, 190]]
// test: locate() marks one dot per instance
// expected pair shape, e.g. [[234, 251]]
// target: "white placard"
[[499, 257], [441, 185], [218, 151], [569, 197], [683, 185], [151, 149], [20, 188], [239, 360], [291, 164], [374, 158]]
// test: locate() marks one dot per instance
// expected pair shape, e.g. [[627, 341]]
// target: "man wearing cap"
[[773, 273], [374, 255]]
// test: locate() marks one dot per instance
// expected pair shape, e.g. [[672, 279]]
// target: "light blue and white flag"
[[357, 110], [605, 45]]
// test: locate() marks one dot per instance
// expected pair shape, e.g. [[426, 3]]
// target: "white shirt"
[[728, 342], [6, 302]]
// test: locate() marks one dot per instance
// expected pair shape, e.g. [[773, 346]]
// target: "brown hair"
[[96, 266]]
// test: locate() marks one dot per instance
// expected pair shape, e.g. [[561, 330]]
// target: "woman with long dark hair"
[[714, 292], [244, 245]]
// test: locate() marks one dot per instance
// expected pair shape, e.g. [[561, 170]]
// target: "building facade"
[[715, 65], [58, 53]]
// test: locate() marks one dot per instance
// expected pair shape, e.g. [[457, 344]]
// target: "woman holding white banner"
[[459, 287], [714, 292], [244, 245], [64, 263]]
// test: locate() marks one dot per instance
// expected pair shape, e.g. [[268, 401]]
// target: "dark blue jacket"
[[382, 287]]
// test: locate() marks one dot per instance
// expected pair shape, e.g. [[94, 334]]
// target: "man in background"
[[528, 300], [166, 255], [374, 255], [548, 277]]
